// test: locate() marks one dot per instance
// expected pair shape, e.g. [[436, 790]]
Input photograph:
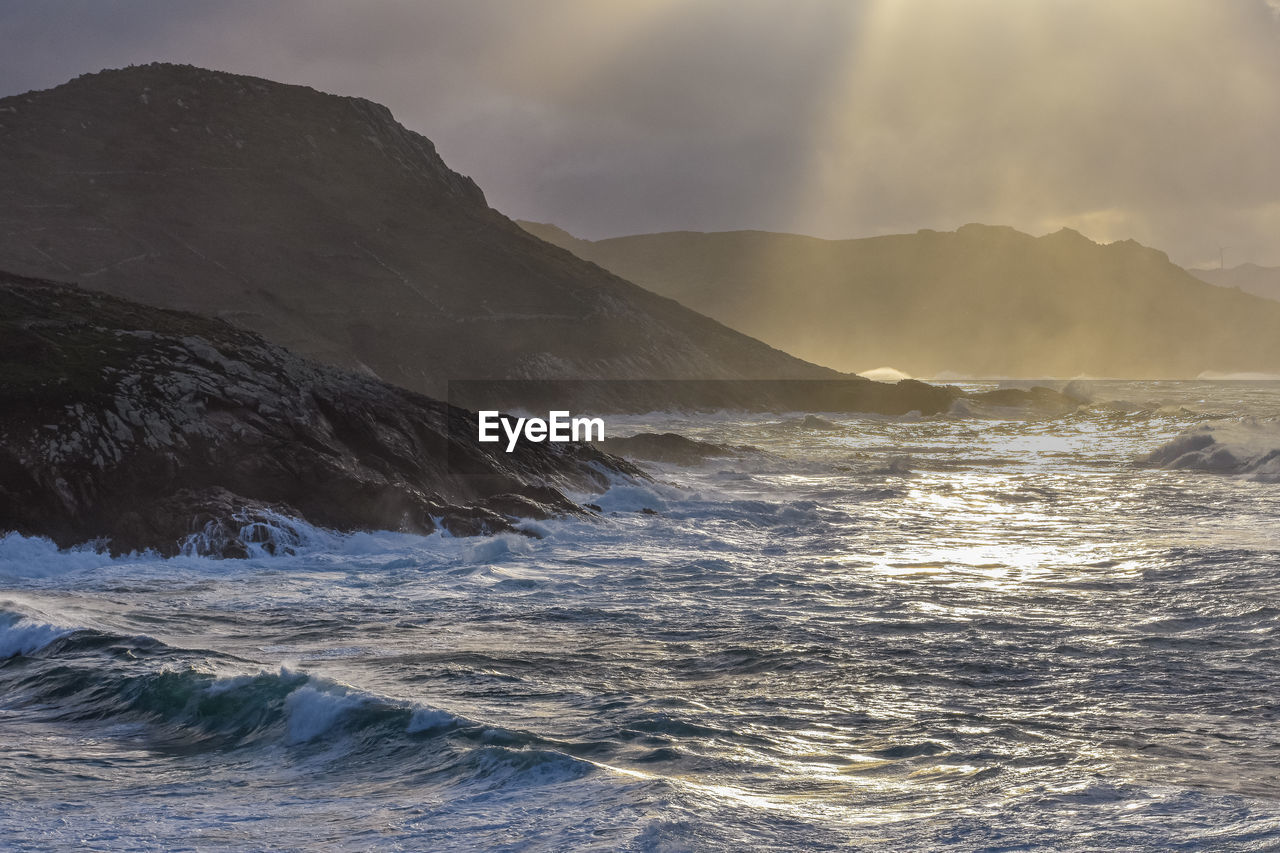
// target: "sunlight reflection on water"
[[1000, 632]]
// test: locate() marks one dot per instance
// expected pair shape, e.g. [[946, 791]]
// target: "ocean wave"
[[38, 557], [884, 374], [812, 423], [1216, 376], [1246, 447], [498, 547], [23, 635], [638, 497], [189, 700], [292, 544], [261, 532]]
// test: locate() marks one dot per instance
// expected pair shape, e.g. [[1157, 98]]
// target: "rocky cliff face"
[[157, 429], [323, 224]]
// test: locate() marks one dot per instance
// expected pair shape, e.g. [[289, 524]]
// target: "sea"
[[992, 629]]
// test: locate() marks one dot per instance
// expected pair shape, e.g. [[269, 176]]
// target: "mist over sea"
[[985, 630]]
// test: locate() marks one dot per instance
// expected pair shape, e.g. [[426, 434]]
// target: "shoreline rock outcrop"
[[141, 428]]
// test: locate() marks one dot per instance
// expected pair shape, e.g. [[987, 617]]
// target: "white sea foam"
[[319, 705], [265, 533], [487, 549], [313, 710], [800, 566], [22, 635], [37, 557], [1215, 376], [636, 497], [1248, 447], [885, 374], [429, 720]]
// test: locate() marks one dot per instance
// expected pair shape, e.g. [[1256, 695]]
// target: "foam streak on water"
[[979, 631]]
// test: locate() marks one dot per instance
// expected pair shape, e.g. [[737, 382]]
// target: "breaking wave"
[[1246, 447], [191, 701]]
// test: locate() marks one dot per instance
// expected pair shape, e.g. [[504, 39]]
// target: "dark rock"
[[535, 503], [164, 430], [818, 423], [474, 521], [217, 522], [1037, 398]]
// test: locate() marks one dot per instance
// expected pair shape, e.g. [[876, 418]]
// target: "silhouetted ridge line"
[[979, 301], [325, 225]]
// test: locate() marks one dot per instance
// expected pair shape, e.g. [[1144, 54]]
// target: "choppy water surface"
[[983, 632]]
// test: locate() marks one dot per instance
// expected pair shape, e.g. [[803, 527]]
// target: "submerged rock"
[[1037, 398], [157, 429]]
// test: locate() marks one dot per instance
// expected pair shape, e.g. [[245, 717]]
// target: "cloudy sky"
[[1150, 119]]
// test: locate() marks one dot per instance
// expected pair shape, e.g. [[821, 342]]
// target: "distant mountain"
[[1251, 278], [979, 301], [325, 225]]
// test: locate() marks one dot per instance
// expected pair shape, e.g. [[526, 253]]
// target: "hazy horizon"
[[836, 119], [1213, 267]]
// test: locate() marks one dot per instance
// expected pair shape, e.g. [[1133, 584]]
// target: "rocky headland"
[[326, 226], [141, 428], [334, 270]]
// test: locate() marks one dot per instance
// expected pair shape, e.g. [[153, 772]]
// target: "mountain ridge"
[[322, 223], [1248, 277], [982, 301]]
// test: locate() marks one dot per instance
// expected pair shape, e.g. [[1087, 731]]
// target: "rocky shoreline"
[[135, 428], [142, 428]]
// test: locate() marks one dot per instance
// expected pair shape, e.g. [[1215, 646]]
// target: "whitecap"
[[37, 557], [429, 720], [631, 497], [1215, 376], [22, 635], [1248, 447], [495, 547], [312, 711], [884, 374]]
